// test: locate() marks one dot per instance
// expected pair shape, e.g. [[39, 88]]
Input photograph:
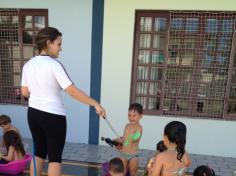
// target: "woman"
[[42, 79]]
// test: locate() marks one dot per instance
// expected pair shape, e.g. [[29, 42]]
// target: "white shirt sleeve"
[[61, 76], [23, 79]]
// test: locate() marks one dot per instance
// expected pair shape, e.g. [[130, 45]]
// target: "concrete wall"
[[74, 19], [210, 137]]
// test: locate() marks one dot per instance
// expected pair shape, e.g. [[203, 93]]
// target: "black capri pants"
[[49, 133]]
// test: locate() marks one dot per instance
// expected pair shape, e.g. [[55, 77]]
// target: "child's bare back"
[[171, 166]]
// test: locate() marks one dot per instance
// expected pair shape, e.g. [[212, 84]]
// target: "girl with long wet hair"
[[14, 146], [174, 160]]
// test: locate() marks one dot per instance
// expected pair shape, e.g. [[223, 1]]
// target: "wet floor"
[[72, 168]]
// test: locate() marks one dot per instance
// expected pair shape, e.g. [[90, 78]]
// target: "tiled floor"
[[223, 166]]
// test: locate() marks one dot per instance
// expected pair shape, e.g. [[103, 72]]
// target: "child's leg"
[[133, 166], [125, 162], [39, 166]]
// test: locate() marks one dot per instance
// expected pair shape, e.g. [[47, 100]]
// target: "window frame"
[[192, 112], [15, 97]]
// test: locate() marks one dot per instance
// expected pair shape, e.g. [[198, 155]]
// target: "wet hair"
[[116, 165], [203, 170], [136, 107], [45, 34], [4, 119], [12, 138], [176, 133], [161, 146]]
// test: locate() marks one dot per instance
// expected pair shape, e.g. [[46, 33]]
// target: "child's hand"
[[150, 163], [121, 141], [1, 155], [119, 147]]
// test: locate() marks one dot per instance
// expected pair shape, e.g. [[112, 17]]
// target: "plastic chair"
[[15, 167]]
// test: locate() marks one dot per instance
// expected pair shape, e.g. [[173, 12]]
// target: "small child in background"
[[116, 167], [131, 138], [161, 146], [203, 171], [14, 146], [175, 159], [5, 124]]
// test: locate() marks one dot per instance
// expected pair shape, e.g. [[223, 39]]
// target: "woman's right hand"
[[100, 110]]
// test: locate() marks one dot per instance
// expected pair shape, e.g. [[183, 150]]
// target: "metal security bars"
[[18, 28], [182, 63]]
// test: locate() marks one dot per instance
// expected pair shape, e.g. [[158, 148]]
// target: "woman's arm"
[[10, 154], [84, 98]]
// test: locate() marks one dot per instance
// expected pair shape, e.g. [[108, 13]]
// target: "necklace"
[[171, 149]]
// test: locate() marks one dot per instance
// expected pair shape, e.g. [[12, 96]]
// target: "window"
[[18, 28], [184, 63]]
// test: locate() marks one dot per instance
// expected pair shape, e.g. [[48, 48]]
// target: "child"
[[5, 123], [175, 159], [116, 167], [130, 140], [15, 148], [203, 171], [160, 147]]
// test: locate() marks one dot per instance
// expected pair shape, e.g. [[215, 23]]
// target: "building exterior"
[[108, 44]]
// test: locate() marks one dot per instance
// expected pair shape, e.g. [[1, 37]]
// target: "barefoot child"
[[130, 140]]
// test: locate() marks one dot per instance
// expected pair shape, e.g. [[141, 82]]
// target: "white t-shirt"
[[45, 77]]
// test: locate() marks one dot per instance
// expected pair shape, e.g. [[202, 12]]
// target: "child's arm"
[[1, 144], [150, 164], [186, 159], [121, 139], [10, 154], [157, 166]]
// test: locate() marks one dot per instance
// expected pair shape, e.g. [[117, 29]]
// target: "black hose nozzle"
[[110, 141]]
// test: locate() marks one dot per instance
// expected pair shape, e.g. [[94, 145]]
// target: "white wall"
[[74, 19], [210, 137]]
